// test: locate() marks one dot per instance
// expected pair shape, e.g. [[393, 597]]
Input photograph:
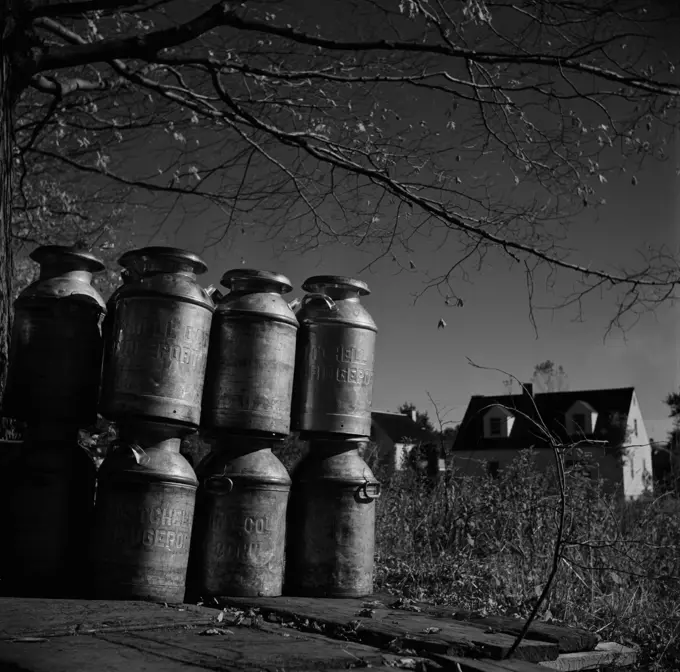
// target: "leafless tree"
[[484, 124]]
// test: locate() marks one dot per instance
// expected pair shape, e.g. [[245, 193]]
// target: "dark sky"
[[493, 327]]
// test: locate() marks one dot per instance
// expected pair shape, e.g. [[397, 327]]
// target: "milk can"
[[143, 517], [249, 379], [127, 277], [331, 522], [49, 491], [56, 345], [239, 540], [156, 355], [335, 351]]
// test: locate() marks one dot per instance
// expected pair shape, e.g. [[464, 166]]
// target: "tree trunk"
[[7, 26]]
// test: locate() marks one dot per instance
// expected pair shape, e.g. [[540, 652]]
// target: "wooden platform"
[[277, 634]]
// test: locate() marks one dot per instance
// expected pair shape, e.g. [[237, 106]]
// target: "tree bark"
[[8, 27]]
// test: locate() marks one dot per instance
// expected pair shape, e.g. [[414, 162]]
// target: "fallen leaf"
[[372, 603], [432, 630], [216, 631], [29, 640]]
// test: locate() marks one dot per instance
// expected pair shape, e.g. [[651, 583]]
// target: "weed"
[[487, 544]]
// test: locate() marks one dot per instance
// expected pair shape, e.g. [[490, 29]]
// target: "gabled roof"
[[551, 407], [399, 427]]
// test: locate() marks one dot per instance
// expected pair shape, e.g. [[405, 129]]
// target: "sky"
[[415, 360], [419, 363]]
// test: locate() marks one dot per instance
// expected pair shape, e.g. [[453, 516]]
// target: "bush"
[[487, 545]]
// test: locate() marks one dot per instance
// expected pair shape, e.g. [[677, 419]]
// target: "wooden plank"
[[456, 664], [568, 639], [69, 654], [606, 653], [248, 648], [382, 627], [188, 649], [43, 617]]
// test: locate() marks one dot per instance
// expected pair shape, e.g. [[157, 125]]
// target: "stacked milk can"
[[239, 537], [244, 369], [157, 332], [52, 387], [331, 513]]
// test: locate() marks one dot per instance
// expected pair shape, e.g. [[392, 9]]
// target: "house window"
[[494, 426], [635, 427], [579, 420], [492, 469]]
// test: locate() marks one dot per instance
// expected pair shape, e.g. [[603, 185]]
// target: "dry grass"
[[487, 544]]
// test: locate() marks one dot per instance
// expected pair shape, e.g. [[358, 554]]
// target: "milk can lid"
[[161, 253], [63, 253], [310, 284], [256, 277]]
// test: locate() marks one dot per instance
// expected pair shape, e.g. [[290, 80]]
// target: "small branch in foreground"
[[559, 540]]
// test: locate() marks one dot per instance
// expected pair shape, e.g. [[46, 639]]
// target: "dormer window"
[[498, 422], [581, 419]]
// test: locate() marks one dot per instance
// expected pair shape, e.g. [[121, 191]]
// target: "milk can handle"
[[141, 458], [214, 293], [320, 297], [375, 494], [217, 483]]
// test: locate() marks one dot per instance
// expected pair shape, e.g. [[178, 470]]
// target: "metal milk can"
[[158, 339], [239, 540], [331, 522], [127, 277], [56, 345], [49, 490], [335, 351], [143, 517], [249, 379]]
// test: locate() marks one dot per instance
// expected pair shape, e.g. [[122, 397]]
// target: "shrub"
[[487, 545]]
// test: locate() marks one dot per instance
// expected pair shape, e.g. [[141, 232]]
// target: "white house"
[[607, 424]]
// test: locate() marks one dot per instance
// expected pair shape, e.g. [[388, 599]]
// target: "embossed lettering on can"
[[158, 358], [143, 536], [252, 383], [336, 379], [244, 540]]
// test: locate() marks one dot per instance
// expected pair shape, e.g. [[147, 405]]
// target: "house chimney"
[[528, 389], [413, 415]]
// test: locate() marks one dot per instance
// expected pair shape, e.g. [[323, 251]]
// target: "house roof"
[[550, 407], [399, 427]]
